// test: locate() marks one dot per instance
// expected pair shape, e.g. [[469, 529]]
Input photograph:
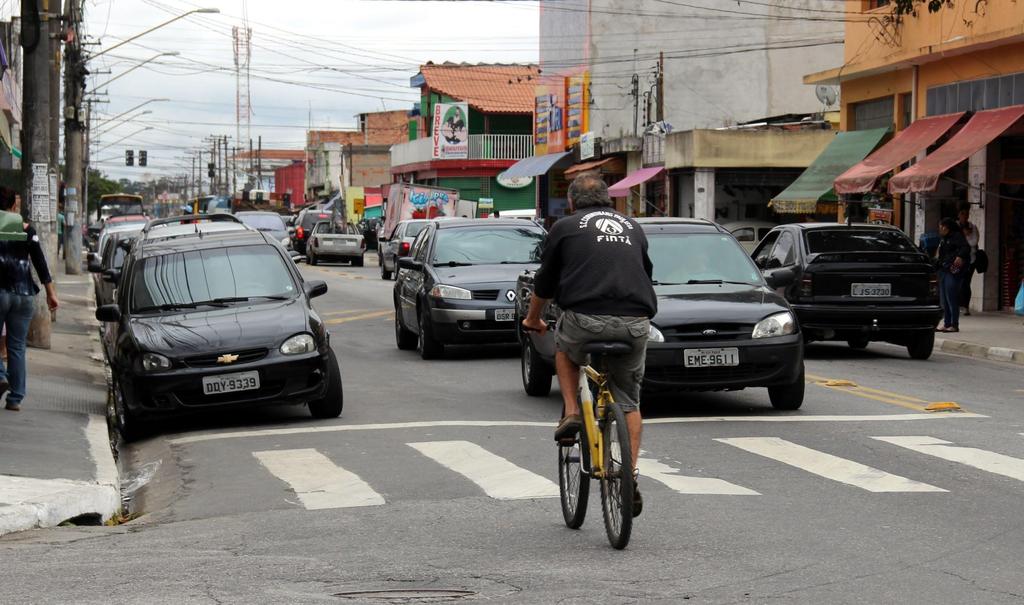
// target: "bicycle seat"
[[607, 347]]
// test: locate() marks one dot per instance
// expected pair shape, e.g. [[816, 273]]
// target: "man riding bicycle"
[[596, 268]]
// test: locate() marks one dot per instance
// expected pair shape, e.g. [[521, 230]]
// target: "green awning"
[[815, 184]]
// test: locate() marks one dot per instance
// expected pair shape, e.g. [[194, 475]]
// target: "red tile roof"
[[488, 88]]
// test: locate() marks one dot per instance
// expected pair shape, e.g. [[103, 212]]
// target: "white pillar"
[[985, 215], [704, 193]]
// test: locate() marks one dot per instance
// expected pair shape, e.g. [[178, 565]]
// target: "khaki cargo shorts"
[[626, 371]]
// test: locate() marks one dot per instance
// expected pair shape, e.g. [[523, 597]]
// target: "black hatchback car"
[[719, 326], [215, 315], [458, 285], [858, 283]]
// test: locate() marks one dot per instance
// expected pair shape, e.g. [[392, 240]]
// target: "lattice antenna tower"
[[242, 37]]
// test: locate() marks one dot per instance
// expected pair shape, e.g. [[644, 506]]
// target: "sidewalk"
[[995, 336], [55, 459]]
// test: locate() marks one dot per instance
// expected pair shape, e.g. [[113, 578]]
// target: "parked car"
[[719, 325], [271, 223], [858, 283], [390, 250], [749, 233], [458, 286], [106, 264], [214, 315], [337, 243], [96, 230]]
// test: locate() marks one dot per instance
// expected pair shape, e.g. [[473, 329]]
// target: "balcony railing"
[[481, 147]]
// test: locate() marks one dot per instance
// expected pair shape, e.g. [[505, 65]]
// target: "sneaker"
[[638, 501], [4, 386], [568, 427], [14, 407]]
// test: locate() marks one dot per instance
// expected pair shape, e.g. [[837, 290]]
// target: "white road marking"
[[499, 478], [318, 482], [682, 484], [551, 425], [828, 466], [1000, 464]]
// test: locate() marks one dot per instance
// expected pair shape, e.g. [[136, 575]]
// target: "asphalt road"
[[441, 476]]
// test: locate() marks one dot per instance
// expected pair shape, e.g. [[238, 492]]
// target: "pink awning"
[[981, 130], [907, 143], [621, 189]]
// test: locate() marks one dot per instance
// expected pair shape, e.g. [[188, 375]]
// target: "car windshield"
[[263, 222], [700, 258], [488, 246], [857, 240], [188, 279], [413, 229]]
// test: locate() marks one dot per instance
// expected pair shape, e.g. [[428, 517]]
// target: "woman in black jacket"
[[954, 256]]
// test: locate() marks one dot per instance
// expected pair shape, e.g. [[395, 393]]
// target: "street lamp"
[[112, 124], [205, 11], [144, 103], [124, 138], [131, 69]]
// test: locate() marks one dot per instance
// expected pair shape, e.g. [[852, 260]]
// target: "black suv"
[[858, 283], [215, 315]]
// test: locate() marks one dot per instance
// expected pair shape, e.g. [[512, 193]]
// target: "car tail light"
[[325, 216], [300, 233], [933, 286], [807, 285], [403, 249]]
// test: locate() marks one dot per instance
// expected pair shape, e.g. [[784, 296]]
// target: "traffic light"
[[142, 157], [211, 170], [129, 157]]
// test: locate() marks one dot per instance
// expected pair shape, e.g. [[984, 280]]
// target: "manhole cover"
[[406, 594]]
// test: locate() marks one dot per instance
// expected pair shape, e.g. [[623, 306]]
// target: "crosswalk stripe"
[[683, 484], [318, 482], [498, 477], [828, 466], [1000, 464]]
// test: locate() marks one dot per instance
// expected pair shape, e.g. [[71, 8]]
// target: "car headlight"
[[443, 291], [154, 362], [780, 324], [655, 335], [298, 344]]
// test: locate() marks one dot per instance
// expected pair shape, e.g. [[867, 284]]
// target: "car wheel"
[[384, 273], [858, 343], [357, 261], [426, 343], [311, 259], [788, 396], [330, 406], [404, 339], [124, 422], [922, 346], [536, 373]]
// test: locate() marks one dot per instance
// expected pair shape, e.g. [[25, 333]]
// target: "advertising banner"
[[577, 109], [451, 131], [407, 202]]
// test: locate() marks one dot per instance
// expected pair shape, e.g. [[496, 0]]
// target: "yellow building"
[[969, 58]]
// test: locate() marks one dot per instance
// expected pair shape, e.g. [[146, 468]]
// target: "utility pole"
[[74, 141], [227, 173], [661, 86], [259, 164], [200, 192], [38, 165]]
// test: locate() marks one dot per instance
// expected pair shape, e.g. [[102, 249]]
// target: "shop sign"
[[586, 145], [880, 216], [576, 122], [451, 131], [516, 182], [486, 203]]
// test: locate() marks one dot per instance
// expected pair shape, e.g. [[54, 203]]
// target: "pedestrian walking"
[[970, 231], [954, 255], [19, 251]]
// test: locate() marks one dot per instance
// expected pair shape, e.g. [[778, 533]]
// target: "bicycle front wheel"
[[617, 480], [574, 479]]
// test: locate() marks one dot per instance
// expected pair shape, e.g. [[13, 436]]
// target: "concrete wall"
[[745, 148], [368, 167]]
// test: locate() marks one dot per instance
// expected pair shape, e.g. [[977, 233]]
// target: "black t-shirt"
[[595, 262]]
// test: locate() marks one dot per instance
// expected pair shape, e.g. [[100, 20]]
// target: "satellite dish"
[[826, 94]]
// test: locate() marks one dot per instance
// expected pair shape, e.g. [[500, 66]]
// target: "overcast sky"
[[318, 60]]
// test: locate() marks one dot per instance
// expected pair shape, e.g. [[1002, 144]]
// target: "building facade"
[[967, 58]]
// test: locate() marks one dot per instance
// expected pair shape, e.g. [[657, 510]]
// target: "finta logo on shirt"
[[611, 225]]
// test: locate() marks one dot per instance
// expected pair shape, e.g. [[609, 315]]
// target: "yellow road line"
[[889, 397], [375, 314]]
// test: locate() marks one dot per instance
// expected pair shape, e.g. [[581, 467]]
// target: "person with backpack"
[[19, 252], [954, 256], [970, 231]]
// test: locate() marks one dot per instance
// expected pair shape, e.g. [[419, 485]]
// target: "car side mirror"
[[108, 314], [112, 275], [125, 244], [409, 263], [94, 265], [316, 287], [781, 278]]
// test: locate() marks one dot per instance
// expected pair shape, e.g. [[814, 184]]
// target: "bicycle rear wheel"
[[617, 481], [574, 480]]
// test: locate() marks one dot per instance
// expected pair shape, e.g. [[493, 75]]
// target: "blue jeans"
[[16, 312], [951, 285]]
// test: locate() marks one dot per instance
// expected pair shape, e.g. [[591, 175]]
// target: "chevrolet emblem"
[[227, 358]]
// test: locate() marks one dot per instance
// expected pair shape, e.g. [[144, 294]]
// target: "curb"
[[967, 349]]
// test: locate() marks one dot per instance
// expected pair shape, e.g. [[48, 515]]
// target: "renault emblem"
[[227, 358], [709, 332], [511, 296]]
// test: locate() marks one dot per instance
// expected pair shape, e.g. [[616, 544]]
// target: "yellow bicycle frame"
[[604, 397]]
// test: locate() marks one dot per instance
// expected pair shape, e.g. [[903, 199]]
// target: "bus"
[[118, 204]]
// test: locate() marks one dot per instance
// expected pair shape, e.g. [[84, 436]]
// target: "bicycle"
[[603, 438]]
